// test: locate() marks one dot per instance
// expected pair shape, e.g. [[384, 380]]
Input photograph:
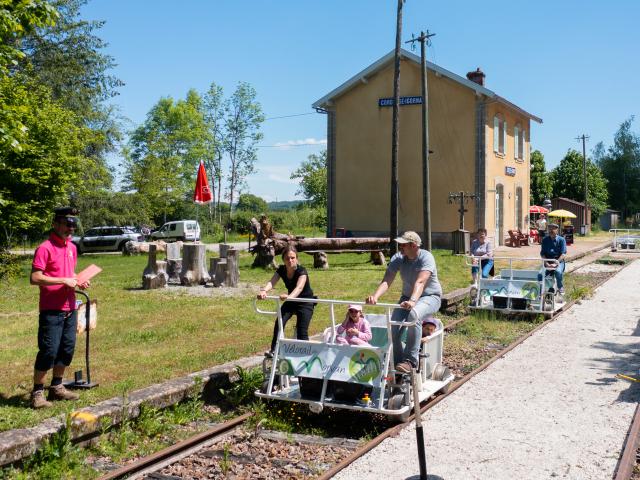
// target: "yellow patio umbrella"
[[561, 213]]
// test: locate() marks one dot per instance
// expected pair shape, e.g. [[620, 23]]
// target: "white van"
[[185, 230]]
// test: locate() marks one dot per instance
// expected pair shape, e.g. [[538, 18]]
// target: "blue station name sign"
[[510, 171], [388, 102]]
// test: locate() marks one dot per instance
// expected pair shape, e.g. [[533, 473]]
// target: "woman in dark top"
[[296, 280]]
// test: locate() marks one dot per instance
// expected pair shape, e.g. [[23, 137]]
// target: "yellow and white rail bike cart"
[[322, 373]]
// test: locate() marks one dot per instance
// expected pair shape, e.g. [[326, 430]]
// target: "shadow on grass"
[[19, 400]]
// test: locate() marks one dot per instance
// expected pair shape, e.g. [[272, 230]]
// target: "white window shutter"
[[516, 141], [496, 132], [504, 137], [525, 152]]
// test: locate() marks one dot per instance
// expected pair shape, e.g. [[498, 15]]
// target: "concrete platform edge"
[[18, 444]]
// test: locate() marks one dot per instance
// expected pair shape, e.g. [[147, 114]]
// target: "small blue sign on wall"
[[388, 102], [510, 171]]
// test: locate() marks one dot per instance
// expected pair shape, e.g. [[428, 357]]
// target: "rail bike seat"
[[514, 274]]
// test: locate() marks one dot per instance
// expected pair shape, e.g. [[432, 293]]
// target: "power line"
[[292, 145], [289, 116]]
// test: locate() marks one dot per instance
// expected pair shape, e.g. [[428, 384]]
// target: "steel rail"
[[625, 464], [628, 456], [627, 461], [173, 450]]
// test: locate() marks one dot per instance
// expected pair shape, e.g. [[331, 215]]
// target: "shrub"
[[9, 265]]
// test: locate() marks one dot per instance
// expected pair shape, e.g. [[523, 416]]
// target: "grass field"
[[144, 337]]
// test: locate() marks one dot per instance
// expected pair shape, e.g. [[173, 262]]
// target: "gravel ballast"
[[551, 408]]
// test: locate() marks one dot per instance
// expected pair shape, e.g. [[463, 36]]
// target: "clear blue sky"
[[573, 63]]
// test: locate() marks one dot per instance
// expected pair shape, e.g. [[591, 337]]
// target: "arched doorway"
[[499, 214]]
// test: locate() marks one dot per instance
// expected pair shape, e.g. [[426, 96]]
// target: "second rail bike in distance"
[[323, 373], [528, 289], [625, 240]]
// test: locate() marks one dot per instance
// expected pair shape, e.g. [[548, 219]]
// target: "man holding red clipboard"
[[53, 270]]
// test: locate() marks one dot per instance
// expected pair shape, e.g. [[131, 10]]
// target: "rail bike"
[[625, 240], [530, 288], [326, 374]]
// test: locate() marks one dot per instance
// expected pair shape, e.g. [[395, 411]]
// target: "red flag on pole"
[[203, 192]]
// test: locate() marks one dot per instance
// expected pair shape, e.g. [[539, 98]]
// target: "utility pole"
[[393, 227], [584, 138], [426, 196]]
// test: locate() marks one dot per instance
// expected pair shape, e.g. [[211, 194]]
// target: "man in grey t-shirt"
[[420, 298]]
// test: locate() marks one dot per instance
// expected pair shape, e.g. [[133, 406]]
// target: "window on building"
[[523, 139], [499, 134]]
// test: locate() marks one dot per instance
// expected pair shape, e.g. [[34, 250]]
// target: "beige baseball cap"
[[409, 237]]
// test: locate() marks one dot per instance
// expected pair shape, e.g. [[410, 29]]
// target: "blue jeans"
[[427, 305], [56, 339], [558, 273], [487, 265]]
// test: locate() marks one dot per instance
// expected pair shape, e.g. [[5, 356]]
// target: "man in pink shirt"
[[53, 270]]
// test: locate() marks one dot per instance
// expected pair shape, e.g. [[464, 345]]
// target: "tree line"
[[613, 176]]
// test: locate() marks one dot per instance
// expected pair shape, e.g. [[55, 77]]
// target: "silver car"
[[106, 239]]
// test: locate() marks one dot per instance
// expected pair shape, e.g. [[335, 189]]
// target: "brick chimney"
[[477, 76]]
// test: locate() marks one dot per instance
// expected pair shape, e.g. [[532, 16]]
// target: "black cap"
[[65, 212]]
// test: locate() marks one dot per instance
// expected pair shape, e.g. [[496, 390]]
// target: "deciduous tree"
[[540, 185], [312, 176], [242, 122], [165, 152], [620, 164], [567, 180]]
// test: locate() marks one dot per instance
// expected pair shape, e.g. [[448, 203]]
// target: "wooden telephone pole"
[[584, 138], [393, 227], [426, 196]]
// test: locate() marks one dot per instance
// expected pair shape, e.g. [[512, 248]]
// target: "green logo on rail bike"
[[285, 367], [364, 365]]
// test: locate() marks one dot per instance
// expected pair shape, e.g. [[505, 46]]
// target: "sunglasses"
[[353, 310], [71, 222]]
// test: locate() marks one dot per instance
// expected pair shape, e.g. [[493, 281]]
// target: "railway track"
[[214, 451]]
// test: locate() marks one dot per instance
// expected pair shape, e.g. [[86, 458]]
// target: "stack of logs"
[[270, 243], [190, 269]]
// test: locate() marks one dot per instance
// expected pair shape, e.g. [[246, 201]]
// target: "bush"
[[9, 265], [292, 220], [240, 222]]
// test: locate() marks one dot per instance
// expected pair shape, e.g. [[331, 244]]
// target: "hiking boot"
[[404, 367], [561, 291], [38, 401], [58, 392]]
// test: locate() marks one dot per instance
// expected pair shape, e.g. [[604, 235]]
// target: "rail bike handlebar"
[[554, 263], [388, 306]]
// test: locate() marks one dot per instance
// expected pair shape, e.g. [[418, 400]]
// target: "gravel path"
[[551, 408]]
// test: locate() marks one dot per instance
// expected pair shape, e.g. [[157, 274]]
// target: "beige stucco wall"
[[363, 153], [495, 172]]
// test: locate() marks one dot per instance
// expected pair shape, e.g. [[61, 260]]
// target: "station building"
[[480, 143]]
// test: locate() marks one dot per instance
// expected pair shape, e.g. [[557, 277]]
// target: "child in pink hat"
[[355, 327]]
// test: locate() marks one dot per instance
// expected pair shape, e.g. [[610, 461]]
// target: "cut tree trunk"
[[154, 275], [194, 270]]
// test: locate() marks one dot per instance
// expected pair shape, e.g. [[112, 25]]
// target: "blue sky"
[[573, 63]]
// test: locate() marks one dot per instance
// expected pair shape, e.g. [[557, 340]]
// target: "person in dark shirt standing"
[[554, 247], [296, 280]]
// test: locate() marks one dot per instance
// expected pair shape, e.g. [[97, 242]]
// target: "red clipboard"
[[88, 273]]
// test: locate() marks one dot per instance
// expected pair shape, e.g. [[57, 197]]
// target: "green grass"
[[145, 337]]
